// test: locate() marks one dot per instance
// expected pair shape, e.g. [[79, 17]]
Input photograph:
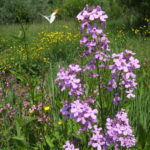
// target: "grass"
[[32, 29], [56, 42], [119, 40], [37, 86]]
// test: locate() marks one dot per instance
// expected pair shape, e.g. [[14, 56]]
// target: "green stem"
[[25, 43], [100, 98], [28, 58]]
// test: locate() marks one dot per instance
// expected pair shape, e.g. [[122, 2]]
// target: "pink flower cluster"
[[35, 110], [92, 14], [1, 92], [124, 64], [119, 131], [35, 107], [99, 40], [68, 78], [94, 36], [81, 112], [93, 39], [116, 98], [69, 146], [97, 140], [10, 111]]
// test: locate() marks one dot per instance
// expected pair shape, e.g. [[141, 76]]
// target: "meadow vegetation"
[[44, 79]]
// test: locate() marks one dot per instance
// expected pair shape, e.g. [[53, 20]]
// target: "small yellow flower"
[[46, 108], [59, 122], [132, 29], [44, 59], [136, 31]]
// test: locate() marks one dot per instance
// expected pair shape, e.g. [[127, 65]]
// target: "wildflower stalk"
[[100, 97], [31, 86], [24, 40], [117, 132], [28, 59]]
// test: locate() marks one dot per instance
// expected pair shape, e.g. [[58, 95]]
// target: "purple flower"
[[124, 65], [95, 13], [130, 94], [116, 98], [91, 66], [98, 39], [68, 78], [97, 140], [119, 131], [69, 146], [81, 112]]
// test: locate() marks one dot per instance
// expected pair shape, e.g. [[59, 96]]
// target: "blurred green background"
[[127, 12]]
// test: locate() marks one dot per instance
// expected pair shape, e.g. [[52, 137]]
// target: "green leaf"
[[18, 76], [141, 135], [20, 34], [30, 119], [19, 125], [57, 135], [18, 128], [147, 147], [87, 90], [20, 141], [19, 121], [49, 141]]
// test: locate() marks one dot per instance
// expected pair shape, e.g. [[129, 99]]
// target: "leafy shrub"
[[70, 8], [26, 10]]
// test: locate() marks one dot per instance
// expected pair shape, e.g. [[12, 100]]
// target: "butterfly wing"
[[52, 17], [47, 18]]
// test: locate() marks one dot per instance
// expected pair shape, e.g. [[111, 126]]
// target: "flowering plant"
[[105, 74]]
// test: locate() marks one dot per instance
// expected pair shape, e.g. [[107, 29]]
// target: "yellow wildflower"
[[59, 122], [136, 31], [46, 108], [132, 29], [44, 59]]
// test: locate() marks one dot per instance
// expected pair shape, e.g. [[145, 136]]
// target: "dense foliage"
[[99, 102], [129, 12]]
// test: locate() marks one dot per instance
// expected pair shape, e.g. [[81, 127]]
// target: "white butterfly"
[[52, 17]]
